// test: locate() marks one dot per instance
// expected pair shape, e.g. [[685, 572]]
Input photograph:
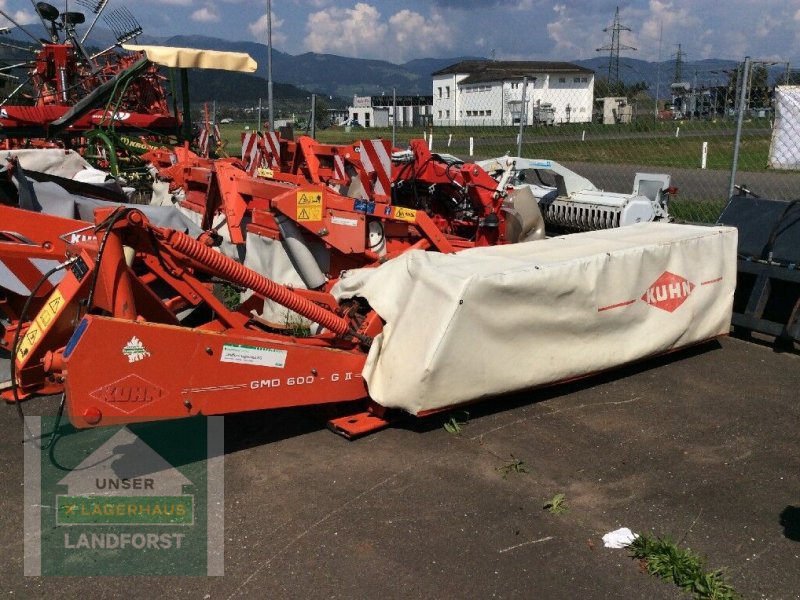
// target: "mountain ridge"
[[343, 77]]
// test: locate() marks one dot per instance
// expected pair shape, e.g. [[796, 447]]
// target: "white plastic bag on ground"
[[619, 538]]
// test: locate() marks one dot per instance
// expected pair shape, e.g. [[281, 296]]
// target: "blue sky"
[[506, 29]]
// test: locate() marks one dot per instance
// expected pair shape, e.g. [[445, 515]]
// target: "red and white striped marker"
[[376, 158], [273, 149], [251, 153], [339, 172]]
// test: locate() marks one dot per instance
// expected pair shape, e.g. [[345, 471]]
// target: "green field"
[[645, 145], [653, 145]]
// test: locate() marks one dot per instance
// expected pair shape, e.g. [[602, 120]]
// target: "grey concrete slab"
[[700, 446]]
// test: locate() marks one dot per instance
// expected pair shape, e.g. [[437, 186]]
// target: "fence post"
[[313, 116], [394, 117], [471, 146], [739, 120], [704, 156], [522, 116], [430, 141], [258, 127]]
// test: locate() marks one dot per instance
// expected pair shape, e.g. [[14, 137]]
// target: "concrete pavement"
[[701, 445]]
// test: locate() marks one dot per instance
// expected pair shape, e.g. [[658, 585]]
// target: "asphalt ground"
[[700, 445], [693, 184]]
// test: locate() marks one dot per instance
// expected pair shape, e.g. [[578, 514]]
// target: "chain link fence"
[[702, 140]]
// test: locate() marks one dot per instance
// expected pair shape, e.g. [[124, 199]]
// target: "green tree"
[[603, 88], [790, 78], [758, 92], [322, 114]]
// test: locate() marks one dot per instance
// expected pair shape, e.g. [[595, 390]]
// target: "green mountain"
[[329, 74]]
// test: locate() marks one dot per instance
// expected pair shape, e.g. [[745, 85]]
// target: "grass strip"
[[664, 559]]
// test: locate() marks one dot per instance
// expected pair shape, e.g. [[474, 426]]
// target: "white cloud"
[[171, 2], [205, 15], [411, 29], [348, 31], [361, 31], [313, 3], [524, 5], [259, 29], [22, 17], [562, 32]]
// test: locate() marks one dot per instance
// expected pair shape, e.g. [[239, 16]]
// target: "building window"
[[448, 91], [576, 80], [562, 80], [488, 113], [514, 86], [366, 119], [440, 92], [440, 114], [448, 114], [355, 116]]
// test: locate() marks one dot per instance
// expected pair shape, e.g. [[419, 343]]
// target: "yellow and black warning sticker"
[[266, 173], [309, 206], [405, 214], [39, 326]]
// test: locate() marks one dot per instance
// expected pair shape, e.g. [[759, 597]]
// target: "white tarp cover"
[[52, 161], [486, 321], [784, 149]]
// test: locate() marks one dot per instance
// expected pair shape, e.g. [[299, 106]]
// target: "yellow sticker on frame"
[[309, 213], [309, 198], [39, 326], [405, 214], [309, 206]]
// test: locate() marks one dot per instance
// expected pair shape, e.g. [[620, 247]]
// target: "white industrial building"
[[484, 92], [378, 111]]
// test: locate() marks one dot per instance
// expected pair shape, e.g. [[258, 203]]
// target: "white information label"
[[344, 221], [253, 355]]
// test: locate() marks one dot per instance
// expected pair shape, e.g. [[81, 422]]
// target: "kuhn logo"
[[77, 238], [668, 292], [129, 393]]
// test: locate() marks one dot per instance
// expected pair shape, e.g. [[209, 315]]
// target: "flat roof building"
[[378, 111], [486, 92]]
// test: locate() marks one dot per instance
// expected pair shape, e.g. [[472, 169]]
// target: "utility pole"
[[614, 48], [270, 114], [658, 70]]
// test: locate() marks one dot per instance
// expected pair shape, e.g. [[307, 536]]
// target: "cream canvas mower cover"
[[190, 58], [487, 321]]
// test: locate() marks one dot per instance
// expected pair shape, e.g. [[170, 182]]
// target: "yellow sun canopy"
[[191, 58]]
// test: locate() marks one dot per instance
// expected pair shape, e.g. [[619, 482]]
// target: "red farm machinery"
[[375, 279], [113, 105]]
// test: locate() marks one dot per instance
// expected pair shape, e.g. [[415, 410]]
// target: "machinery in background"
[[134, 332], [112, 105], [767, 299], [297, 236], [570, 202]]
